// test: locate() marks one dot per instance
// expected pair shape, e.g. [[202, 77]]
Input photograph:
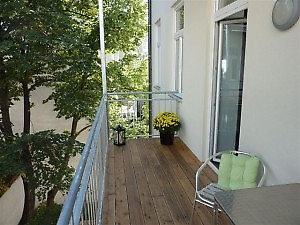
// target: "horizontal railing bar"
[[146, 135], [142, 92], [141, 99], [175, 97]]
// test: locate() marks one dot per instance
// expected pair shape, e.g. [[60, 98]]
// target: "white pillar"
[[102, 46]]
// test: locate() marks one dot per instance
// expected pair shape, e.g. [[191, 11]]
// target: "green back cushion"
[[237, 172]]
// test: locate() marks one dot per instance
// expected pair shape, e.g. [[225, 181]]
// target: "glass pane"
[[178, 63], [180, 18], [230, 86], [238, 15], [223, 3]]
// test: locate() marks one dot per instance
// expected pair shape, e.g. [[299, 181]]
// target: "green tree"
[[48, 151], [35, 36], [55, 44]]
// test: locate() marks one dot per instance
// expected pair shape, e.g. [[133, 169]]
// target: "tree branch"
[[83, 129], [39, 83]]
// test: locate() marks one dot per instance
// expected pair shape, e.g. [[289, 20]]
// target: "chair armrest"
[[201, 168]]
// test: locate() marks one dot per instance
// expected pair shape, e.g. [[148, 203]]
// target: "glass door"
[[229, 85]]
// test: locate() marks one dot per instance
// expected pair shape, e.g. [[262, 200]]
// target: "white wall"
[[195, 107], [43, 117], [271, 100], [162, 9]]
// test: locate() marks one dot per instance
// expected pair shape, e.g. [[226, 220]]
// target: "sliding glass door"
[[229, 85]]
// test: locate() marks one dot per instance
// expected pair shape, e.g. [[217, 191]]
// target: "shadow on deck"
[[153, 184]]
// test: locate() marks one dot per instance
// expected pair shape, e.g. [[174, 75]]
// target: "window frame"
[[178, 48], [219, 16], [157, 55], [229, 10]]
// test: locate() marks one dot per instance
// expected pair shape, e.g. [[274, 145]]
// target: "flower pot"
[[166, 138]]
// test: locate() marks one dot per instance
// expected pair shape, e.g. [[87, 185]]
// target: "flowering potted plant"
[[166, 123]]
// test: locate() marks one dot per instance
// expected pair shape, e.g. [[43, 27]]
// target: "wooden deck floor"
[[151, 184]]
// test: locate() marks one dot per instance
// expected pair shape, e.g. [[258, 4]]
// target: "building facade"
[[238, 78]]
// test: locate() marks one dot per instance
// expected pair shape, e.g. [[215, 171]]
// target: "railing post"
[[102, 46]]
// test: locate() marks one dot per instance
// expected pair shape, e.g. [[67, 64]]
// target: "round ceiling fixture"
[[285, 13]]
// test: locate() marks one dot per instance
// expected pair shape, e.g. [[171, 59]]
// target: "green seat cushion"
[[237, 172]]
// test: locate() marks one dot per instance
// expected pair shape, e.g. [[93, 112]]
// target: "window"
[[157, 56], [180, 18], [178, 64], [230, 42], [178, 38], [223, 3]]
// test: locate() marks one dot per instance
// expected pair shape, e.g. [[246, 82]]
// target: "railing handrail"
[[142, 92], [68, 206]]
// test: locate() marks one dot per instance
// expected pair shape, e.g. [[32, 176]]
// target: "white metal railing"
[[83, 204], [84, 201], [134, 110]]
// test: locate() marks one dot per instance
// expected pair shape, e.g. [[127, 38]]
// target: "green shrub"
[[46, 215], [3, 186], [5, 183]]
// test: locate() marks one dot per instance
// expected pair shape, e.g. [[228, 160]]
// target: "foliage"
[[166, 121], [49, 167], [128, 74], [77, 96], [77, 90], [56, 44], [125, 24], [33, 40], [5, 183], [46, 215], [135, 124], [3, 186]]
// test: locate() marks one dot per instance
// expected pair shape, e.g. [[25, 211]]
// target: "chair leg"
[[192, 214], [216, 215]]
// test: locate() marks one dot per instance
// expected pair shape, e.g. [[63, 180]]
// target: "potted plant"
[[166, 123]]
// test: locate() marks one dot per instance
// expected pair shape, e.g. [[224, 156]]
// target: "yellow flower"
[[167, 121]]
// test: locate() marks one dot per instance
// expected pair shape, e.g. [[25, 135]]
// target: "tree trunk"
[[29, 190], [29, 203], [51, 195], [6, 126], [26, 96], [74, 127]]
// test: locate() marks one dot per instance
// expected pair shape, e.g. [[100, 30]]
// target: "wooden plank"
[[134, 201], [190, 165], [177, 212], [108, 213], [193, 161], [122, 210], [176, 178], [162, 210], [189, 168], [149, 214], [148, 183], [186, 154]]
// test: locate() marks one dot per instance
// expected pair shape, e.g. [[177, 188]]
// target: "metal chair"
[[205, 195]]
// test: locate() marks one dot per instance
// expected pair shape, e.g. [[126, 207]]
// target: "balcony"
[[142, 182], [149, 183]]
